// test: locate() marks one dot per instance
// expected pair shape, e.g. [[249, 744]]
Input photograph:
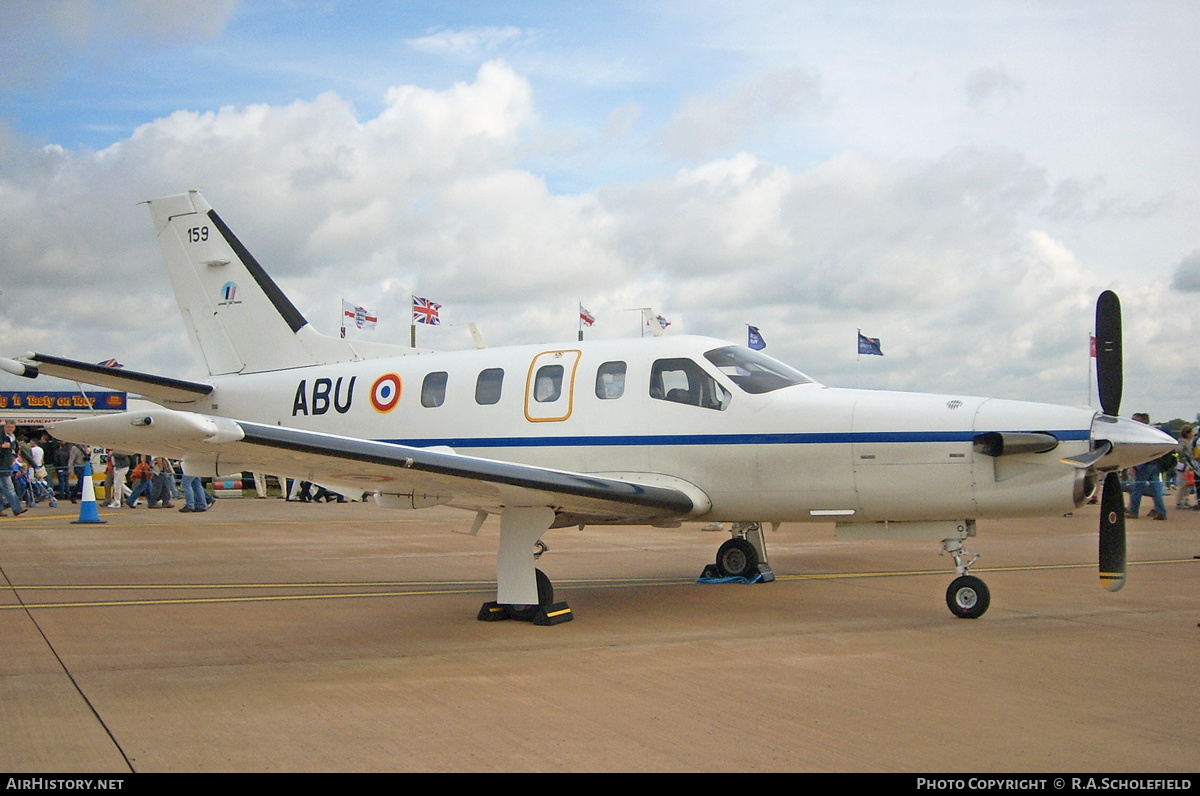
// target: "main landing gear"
[[545, 612], [968, 596], [743, 556], [523, 592]]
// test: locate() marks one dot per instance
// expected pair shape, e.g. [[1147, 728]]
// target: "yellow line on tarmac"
[[975, 570], [201, 600], [25, 519], [422, 588], [314, 585]]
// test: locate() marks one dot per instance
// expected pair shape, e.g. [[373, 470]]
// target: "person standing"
[[194, 498], [8, 455], [1186, 467], [142, 477], [61, 459], [77, 459], [1147, 479], [162, 487], [37, 473], [119, 465]]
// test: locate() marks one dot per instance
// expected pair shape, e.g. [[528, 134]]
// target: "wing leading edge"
[[213, 446]]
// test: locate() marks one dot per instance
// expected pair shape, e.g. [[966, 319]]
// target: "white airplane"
[[657, 430]]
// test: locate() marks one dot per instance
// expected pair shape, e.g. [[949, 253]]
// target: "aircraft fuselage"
[[638, 409]]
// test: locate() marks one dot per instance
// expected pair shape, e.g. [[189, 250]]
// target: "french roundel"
[[385, 392]]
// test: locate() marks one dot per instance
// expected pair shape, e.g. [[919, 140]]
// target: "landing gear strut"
[[523, 592], [968, 596]]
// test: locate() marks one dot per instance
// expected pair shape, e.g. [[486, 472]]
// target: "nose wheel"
[[743, 556], [968, 596]]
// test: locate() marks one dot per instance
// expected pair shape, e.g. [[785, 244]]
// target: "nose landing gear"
[[743, 556], [968, 596]]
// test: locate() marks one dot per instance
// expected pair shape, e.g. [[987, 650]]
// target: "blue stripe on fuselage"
[[813, 438]]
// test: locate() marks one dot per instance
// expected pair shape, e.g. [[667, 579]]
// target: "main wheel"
[[545, 592], [737, 558], [968, 597]]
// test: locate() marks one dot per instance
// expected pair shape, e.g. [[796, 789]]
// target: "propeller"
[[1108, 352], [1110, 380]]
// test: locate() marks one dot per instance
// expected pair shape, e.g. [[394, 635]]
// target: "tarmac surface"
[[274, 636]]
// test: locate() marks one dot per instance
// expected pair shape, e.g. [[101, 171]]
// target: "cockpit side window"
[[682, 381], [754, 371]]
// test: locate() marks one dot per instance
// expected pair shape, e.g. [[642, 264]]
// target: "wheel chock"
[[544, 615], [553, 614], [711, 574], [492, 612]]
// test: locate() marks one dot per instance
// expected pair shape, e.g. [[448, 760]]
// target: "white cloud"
[[993, 86], [1187, 273], [711, 122], [949, 259], [471, 42], [34, 37]]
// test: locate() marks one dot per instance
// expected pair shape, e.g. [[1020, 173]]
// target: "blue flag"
[[869, 345], [756, 341]]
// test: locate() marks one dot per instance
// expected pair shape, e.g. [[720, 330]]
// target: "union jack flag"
[[112, 363], [425, 311], [585, 317]]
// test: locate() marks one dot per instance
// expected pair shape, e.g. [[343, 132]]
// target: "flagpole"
[[858, 362], [1091, 356], [580, 321], [412, 324], [342, 317]]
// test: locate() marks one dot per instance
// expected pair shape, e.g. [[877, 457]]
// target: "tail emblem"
[[229, 293]]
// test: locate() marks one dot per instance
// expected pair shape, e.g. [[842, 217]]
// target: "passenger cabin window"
[[754, 371], [488, 386], [610, 380], [682, 381], [433, 389], [547, 384]]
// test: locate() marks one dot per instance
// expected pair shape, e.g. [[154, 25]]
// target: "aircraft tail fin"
[[237, 318]]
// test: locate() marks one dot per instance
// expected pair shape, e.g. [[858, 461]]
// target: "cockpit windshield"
[[754, 371]]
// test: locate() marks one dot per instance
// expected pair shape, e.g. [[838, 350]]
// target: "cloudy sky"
[[958, 179]]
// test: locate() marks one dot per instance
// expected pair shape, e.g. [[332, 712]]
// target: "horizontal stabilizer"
[[156, 388]]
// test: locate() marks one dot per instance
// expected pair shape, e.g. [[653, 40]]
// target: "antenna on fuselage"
[[476, 335], [657, 323]]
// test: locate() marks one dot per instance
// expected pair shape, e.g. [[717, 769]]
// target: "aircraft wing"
[[404, 476], [156, 388]]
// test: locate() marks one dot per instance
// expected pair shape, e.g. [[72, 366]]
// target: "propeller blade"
[[1112, 534], [1108, 352]]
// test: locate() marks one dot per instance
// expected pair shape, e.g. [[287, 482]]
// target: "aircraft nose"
[[1132, 442]]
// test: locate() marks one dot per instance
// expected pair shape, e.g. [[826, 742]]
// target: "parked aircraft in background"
[[656, 430]]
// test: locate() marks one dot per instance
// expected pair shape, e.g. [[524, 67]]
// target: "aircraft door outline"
[[550, 386]]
